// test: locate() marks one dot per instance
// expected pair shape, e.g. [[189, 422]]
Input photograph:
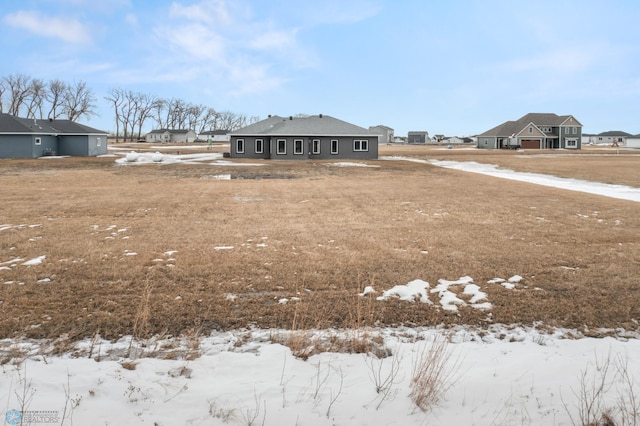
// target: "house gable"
[[530, 130]]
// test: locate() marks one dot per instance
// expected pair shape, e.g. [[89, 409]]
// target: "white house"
[[171, 135], [386, 133]]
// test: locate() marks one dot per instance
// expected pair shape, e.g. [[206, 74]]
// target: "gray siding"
[[16, 146], [486, 142], [82, 145], [270, 148]]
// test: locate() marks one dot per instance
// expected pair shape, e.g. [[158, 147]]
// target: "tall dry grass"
[[304, 230]]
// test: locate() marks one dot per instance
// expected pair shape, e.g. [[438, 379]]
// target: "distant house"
[[386, 133], [311, 137], [216, 136], [453, 140], [610, 137], [418, 137], [399, 139], [171, 136], [534, 131], [29, 138]]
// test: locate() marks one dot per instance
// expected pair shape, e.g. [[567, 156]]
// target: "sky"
[[456, 68]]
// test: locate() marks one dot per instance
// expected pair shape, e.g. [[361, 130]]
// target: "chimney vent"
[[291, 117]]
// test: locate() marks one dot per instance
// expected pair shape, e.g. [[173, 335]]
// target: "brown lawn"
[[172, 249]]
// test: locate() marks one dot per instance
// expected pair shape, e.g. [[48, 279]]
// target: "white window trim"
[[571, 143], [98, 141], [240, 146], [363, 145], [284, 151], [315, 146], [337, 145], [38, 141], [261, 150], [295, 143]]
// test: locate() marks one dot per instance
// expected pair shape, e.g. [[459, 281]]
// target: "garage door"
[[530, 144]]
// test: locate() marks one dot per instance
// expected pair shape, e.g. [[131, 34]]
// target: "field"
[[88, 246]]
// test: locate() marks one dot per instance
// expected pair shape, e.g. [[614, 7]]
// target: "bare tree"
[[35, 99], [193, 116], [209, 119], [159, 113], [54, 95], [231, 121], [3, 89], [116, 97], [18, 87], [78, 101], [147, 103]]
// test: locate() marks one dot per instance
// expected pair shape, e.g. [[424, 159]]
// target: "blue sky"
[[454, 67]]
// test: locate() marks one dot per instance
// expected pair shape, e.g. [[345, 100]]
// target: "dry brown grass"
[[311, 231]]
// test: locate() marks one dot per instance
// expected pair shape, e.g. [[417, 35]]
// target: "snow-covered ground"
[[503, 375]]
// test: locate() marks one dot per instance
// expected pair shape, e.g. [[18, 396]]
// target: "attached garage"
[[530, 143], [633, 141]]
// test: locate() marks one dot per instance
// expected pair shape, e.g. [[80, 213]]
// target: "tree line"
[[24, 96], [135, 109]]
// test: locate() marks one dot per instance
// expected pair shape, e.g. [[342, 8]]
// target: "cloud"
[[209, 12], [66, 29], [277, 40], [131, 19], [227, 44]]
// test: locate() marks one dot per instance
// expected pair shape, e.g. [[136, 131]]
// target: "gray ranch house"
[[171, 135], [31, 138], [534, 131], [313, 137], [420, 137]]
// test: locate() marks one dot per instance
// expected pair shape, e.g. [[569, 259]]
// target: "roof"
[[171, 131], [509, 128], [313, 125], [614, 133], [215, 132], [12, 124]]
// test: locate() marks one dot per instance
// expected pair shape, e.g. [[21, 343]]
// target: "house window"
[[530, 129], [572, 143], [38, 141], [361, 145], [259, 146], [316, 146], [575, 130], [297, 146], [98, 142], [334, 146], [240, 146], [282, 146]]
